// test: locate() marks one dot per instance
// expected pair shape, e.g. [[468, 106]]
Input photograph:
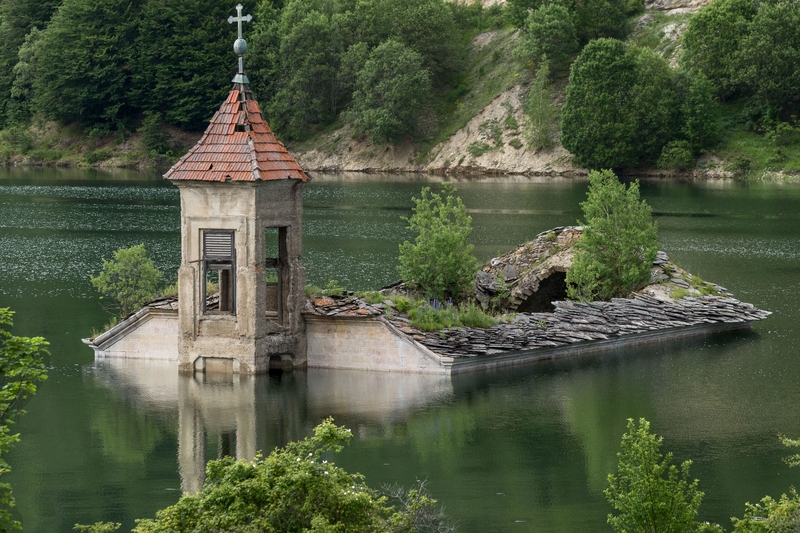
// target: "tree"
[[655, 104], [84, 72], [390, 90], [130, 280], [598, 122], [771, 516], [294, 490], [712, 38], [17, 19], [517, 11], [24, 74], [306, 90], [616, 252], [596, 19], [768, 59], [649, 494], [700, 111], [184, 59], [21, 368], [540, 112], [549, 32], [439, 261], [426, 26]]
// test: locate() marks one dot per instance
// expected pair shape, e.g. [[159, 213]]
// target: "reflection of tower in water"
[[222, 413]]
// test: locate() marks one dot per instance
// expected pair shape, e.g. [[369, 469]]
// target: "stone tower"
[[241, 284]]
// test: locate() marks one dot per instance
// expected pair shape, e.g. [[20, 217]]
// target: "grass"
[[434, 316], [111, 323], [751, 154], [489, 71], [652, 34]]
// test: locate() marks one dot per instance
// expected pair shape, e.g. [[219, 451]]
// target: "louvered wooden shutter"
[[218, 245]]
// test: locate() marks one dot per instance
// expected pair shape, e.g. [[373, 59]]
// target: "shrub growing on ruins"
[[439, 262], [129, 281], [616, 252]]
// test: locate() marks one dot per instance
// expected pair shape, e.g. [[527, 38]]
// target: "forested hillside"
[[436, 85]]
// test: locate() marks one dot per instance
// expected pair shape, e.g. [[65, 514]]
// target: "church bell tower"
[[241, 284]]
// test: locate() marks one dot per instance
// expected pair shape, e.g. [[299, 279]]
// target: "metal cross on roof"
[[240, 46]]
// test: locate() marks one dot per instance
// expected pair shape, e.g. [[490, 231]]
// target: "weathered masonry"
[[242, 308], [241, 237]]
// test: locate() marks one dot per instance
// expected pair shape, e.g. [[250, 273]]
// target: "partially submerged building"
[[242, 309]]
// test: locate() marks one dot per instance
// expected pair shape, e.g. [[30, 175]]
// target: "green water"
[[520, 450]]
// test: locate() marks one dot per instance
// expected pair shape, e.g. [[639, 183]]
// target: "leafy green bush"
[[472, 315], [295, 490], [439, 262], [18, 139], [129, 281], [390, 90], [648, 493], [478, 148], [676, 155], [616, 251], [154, 137], [549, 32], [540, 113], [771, 516], [428, 316], [97, 155], [784, 134], [21, 368]]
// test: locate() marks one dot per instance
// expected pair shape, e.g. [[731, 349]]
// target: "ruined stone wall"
[[366, 344], [151, 335]]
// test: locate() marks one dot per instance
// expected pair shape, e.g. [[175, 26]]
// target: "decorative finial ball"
[[240, 46]]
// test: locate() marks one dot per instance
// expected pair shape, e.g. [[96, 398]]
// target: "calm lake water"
[[521, 450]]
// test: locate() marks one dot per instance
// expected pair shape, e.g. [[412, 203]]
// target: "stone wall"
[[366, 343], [149, 334]]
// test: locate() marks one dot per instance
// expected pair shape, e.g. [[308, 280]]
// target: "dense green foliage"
[[549, 32], [592, 19], [17, 19], [21, 368], [399, 70], [598, 122], [624, 104], [295, 490], [651, 495], [439, 262], [541, 115], [616, 252], [749, 49], [83, 59], [390, 87], [648, 492], [129, 281], [183, 61], [712, 39]]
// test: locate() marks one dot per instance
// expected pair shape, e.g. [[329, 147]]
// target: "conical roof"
[[238, 145]]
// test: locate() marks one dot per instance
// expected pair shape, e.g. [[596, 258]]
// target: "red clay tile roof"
[[237, 146]]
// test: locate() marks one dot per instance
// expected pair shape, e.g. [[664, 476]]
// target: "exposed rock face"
[[676, 7]]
